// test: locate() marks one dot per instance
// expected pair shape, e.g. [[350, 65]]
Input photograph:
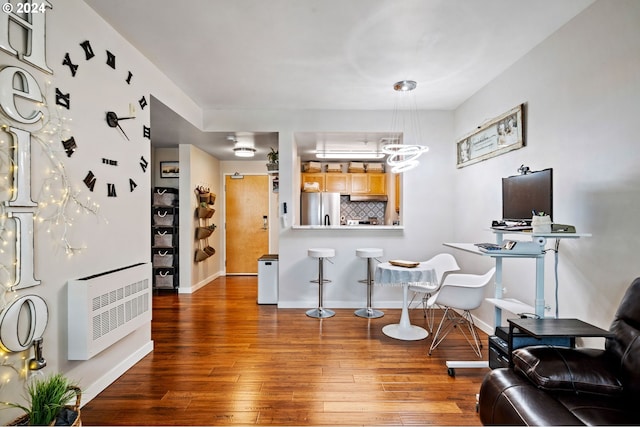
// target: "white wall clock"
[[122, 124]]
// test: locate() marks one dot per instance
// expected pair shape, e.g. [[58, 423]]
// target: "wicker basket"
[[205, 212], [24, 420], [203, 232]]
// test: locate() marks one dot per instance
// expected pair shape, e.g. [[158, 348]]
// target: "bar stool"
[[321, 254], [369, 254]]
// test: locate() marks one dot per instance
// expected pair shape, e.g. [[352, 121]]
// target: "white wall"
[[119, 234], [581, 88], [198, 168]]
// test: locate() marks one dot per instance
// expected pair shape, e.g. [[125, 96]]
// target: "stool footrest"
[[318, 281]]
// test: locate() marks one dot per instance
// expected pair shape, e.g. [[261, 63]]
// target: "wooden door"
[[246, 232]]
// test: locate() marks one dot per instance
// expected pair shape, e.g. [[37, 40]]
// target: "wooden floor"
[[221, 359]]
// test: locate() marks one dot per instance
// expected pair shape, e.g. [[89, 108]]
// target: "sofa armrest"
[[507, 398], [579, 370]]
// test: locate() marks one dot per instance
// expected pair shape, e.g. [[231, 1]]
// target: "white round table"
[[393, 275]]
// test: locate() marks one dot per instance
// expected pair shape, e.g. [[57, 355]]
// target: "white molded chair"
[[443, 263], [462, 292]]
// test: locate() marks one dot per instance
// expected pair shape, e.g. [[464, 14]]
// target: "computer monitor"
[[522, 195]]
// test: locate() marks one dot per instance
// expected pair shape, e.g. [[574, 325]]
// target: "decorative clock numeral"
[[132, 185], [142, 102], [73, 67], [111, 60], [90, 181], [63, 99], [143, 163], [88, 51], [111, 190], [109, 162], [146, 131], [129, 77], [69, 146]]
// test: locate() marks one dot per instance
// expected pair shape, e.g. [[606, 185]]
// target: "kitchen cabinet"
[[369, 183], [348, 183], [338, 182], [310, 177]]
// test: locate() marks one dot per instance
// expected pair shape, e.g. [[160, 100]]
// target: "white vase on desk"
[[541, 223]]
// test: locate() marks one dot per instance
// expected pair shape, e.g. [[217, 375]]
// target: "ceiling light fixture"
[[244, 151], [243, 147], [404, 157]]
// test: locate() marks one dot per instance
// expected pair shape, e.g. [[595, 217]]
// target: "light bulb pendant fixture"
[[403, 157]]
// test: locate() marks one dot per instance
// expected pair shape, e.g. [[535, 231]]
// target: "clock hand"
[[113, 119], [121, 130]]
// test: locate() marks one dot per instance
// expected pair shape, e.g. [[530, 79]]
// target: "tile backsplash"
[[361, 210]]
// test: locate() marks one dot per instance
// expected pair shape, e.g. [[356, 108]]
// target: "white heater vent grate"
[[106, 307]]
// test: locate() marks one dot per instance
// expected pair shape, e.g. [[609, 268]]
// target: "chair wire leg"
[[450, 319]]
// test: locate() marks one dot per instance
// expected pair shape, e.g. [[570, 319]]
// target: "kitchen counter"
[[348, 227]]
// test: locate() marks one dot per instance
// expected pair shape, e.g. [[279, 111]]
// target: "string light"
[[58, 202]]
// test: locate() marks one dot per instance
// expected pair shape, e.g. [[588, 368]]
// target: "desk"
[[509, 304], [391, 275]]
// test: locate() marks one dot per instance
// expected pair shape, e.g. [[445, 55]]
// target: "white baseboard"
[[200, 284], [94, 389]]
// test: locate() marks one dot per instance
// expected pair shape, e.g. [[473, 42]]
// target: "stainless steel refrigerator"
[[320, 209]]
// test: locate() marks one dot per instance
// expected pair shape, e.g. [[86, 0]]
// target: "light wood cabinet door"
[[359, 183], [338, 182], [314, 177], [377, 183]]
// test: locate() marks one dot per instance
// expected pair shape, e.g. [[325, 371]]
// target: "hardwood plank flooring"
[[221, 359]]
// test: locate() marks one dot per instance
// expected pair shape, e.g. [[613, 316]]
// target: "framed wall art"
[[498, 136], [169, 169]]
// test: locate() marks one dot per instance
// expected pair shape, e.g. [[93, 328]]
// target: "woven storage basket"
[[163, 217], [164, 197], [205, 212], [162, 238], [201, 255], [163, 259], [24, 420], [164, 279], [203, 232]]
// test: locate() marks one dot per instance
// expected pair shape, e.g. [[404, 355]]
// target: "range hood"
[[367, 198]]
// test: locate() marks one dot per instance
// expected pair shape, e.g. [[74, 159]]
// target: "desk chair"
[[463, 292], [443, 263]]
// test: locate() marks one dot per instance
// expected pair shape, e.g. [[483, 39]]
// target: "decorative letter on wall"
[[12, 338]]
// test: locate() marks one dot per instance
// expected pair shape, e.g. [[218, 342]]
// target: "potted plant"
[[272, 157], [48, 402]]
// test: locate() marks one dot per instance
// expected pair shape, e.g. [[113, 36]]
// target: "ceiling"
[[326, 54]]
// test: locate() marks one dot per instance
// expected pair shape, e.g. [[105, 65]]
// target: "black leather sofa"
[[571, 386]]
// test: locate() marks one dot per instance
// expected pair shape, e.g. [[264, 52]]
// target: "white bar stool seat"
[[321, 254], [369, 254]]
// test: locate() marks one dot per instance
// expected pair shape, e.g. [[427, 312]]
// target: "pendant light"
[[403, 157]]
